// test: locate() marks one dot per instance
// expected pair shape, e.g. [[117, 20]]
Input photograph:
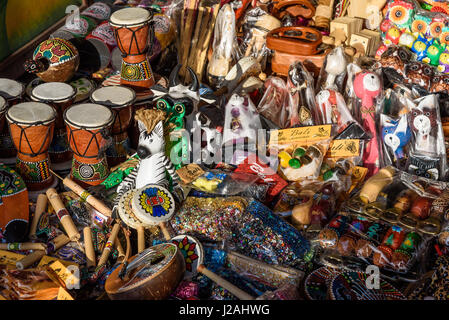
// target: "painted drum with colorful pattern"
[[99, 11], [103, 39], [88, 132], [152, 274], [134, 32], [32, 125], [120, 100], [192, 251], [62, 59], [14, 209], [12, 91], [153, 204], [60, 96]]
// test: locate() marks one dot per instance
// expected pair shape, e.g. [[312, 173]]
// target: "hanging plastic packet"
[[219, 182], [352, 70], [256, 25], [333, 72], [367, 90], [301, 85], [332, 109], [428, 153], [242, 121], [395, 131], [225, 48], [277, 105]]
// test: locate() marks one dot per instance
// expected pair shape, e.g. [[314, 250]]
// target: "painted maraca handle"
[[242, 295], [108, 247]]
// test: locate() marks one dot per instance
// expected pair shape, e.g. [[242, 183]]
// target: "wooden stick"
[[200, 43], [165, 231], [107, 248], [242, 295], [195, 39], [22, 246], [52, 246], [86, 196], [89, 247], [121, 251], [140, 239], [63, 215], [187, 36], [206, 43], [41, 206]]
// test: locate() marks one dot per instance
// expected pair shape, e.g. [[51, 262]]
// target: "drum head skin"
[[131, 17], [53, 91], [126, 213], [3, 105], [153, 204], [114, 97], [11, 89], [29, 113], [88, 115], [193, 253]]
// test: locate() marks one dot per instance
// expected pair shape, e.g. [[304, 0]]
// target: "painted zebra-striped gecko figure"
[[153, 166]]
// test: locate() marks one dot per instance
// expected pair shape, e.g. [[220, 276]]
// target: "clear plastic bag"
[[334, 70], [225, 47], [223, 183], [242, 121], [427, 156], [277, 104]]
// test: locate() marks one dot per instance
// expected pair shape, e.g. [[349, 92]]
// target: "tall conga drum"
[[88, 132], [120, 100], [60, 96], [134, 33], [12, 91], [31, 125]]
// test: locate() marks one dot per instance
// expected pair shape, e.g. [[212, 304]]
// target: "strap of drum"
[[134, 41], [24, 137]]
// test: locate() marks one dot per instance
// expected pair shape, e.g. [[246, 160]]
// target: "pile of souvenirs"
[[199, 149]]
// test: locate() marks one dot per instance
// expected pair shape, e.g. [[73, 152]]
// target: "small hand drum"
[[153, 205], [193, 253]]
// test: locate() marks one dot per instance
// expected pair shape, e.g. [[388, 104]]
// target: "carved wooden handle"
[[294, 40], [295, 8]]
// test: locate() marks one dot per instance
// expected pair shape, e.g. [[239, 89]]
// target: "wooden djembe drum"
[[120, 100], [60, 96], [89, 137], [31, 125], [134, 34], [12, 91]]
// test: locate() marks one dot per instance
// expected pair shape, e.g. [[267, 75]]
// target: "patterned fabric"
[[438, 285]]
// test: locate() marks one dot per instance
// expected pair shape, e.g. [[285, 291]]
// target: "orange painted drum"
[[88, 131], [60, 96], [134, 32], [31, 125], [120, 100]]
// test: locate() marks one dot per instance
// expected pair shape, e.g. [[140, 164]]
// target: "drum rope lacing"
[[23, 134], [147, 48], [101, 150], [117, 113]]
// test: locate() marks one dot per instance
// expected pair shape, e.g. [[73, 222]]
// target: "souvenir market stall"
[[224, 150]]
